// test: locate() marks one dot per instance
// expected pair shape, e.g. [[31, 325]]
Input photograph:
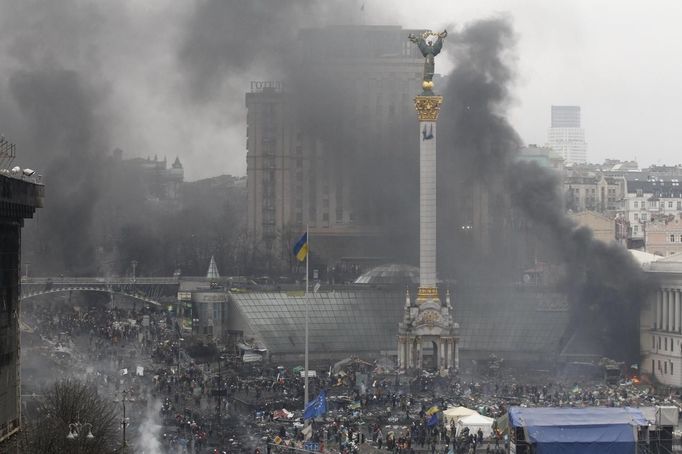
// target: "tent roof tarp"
[[579, 430], [458, 412], [476, 420], [543, 417]]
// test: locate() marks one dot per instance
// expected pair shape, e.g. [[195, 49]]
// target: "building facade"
[[18, 201], [161, 182], [661, 323], [301, 173], [653, 210], [566, 136], [543, 156], [663, 238], [595, 192]]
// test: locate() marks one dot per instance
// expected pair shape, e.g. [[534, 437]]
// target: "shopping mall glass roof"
[[339, 321], [491, 319]]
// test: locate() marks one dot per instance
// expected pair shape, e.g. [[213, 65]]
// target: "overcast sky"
[[621, 61]]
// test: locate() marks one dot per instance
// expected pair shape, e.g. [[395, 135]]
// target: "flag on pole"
[[433, 420], [307, 432], [316, 407], [301, 248]]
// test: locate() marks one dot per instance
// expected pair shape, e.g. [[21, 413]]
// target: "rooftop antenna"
[[8, 151]]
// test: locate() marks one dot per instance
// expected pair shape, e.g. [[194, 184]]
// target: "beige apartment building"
[[664, 238], [595, 192]]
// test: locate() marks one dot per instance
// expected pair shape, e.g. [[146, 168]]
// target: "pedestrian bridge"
[[151, 290]]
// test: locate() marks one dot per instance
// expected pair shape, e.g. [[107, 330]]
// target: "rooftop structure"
[[565, 116], [212, 270]]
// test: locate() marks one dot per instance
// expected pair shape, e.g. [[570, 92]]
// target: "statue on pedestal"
[[429, 50]]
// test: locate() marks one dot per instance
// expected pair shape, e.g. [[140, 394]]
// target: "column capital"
[[428, 107]]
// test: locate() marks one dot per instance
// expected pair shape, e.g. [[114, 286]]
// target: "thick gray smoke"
[[478, 146], [61, 107], [275, 39], [80, 78], [226, 38], [605, 284], [480, 182], [150, 429]]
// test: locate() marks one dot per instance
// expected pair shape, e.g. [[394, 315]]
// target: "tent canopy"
[[579, 430], [475, 422], [455, 413], [543, 417]]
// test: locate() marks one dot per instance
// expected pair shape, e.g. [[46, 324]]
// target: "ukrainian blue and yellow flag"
[[301, 248]]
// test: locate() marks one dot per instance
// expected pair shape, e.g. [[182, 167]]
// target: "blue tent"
[[579, 430]]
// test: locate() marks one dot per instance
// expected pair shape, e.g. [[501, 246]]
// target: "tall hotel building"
[[294, 178], [566, 136]]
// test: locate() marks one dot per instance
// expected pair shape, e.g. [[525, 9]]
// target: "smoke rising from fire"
[[80, 78]]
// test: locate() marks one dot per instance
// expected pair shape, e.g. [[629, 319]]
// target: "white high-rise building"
[[566, 136]]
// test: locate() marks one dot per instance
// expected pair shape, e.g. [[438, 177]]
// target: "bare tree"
[[72, 418]]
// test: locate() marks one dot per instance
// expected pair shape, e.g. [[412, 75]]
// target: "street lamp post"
[[180, 339], [220, 388], [124, 421]]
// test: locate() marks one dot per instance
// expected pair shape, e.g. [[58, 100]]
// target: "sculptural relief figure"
[[429, 50]]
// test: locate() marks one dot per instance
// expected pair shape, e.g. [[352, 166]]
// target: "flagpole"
[[307, 274]]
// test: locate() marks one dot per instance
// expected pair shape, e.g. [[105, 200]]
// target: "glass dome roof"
[[391, 274]]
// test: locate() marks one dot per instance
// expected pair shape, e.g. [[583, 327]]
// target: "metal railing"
[[100, 280]]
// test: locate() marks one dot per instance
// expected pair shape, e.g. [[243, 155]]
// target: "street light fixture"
[[124, 421], [76, 428]]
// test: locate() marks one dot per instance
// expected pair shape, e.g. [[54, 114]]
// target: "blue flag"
[[433, 420], [316, 407]]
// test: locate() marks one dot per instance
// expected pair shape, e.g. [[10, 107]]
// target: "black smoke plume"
[[60, 107], [69, 88], [479, 147], [516, 210]]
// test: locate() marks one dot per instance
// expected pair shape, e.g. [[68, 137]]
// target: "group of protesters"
[[226, 405]]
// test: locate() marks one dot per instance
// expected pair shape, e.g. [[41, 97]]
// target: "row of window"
[[664, 367], [654, 204], [656, 344]]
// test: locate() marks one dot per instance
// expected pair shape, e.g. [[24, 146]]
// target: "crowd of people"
[[386, 411], [219, 404], [133, 357]]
